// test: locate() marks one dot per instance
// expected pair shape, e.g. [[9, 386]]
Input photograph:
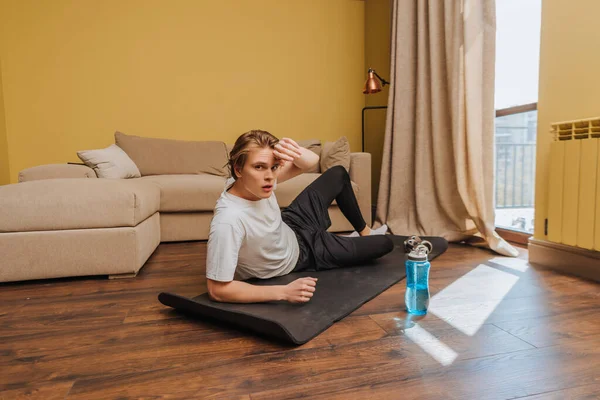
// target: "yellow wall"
[[4, 169], [569, 80], [377, 56], [76, 71]]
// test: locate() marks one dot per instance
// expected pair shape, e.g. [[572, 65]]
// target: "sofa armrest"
[[360, 173], [54, 171]]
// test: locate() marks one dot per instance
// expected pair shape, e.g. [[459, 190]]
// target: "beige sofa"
[[61, 220], [191, 177], [76, 227]]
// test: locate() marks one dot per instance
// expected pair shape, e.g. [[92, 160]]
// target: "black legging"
[[308, 216], [335, 184]]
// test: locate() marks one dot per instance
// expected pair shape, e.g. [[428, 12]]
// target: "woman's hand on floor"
[[301, 290]]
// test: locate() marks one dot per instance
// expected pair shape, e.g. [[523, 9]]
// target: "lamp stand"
[[363, 122]]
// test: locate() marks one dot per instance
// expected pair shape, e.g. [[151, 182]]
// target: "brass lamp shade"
[[372, 85]]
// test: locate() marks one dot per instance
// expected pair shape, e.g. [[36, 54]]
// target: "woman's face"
[[255, 180]]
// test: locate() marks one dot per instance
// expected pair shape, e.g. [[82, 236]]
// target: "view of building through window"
[[517, 65]]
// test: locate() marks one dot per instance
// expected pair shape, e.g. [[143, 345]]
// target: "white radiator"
[[574, 184]]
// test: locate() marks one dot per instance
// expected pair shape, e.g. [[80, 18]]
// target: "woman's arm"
[[298, 291]]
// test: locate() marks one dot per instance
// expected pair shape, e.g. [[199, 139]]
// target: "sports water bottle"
[[417, 278]]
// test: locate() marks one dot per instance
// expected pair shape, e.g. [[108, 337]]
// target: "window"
[[517, 66]]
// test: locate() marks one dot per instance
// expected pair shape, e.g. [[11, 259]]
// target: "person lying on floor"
[[250, 237]]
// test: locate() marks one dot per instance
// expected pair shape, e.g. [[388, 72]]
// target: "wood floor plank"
[[555, 329], [504, 376], [57, 390], [152, 345], [95, 338], [179, 251], [74, 290], [437, 338], [120, 350], [587, 392], [259, 372]]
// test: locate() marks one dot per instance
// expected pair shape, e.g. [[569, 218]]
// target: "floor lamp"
[[372, 85]]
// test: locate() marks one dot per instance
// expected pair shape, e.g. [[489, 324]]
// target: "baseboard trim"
[[570, 260], [514, 237]]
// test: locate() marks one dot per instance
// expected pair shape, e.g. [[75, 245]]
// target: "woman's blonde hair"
[[241, 148]]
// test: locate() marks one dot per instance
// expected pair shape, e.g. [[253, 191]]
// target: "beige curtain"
[[437, 174]]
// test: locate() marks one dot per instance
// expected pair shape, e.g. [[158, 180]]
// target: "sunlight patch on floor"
[[432, 345], [518, 264], [467, 302]]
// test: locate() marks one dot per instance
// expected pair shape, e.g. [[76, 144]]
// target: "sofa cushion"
[[287, 191], [56, 171], [335, 153], [173, 157], [79, 203], [111, 163], [180, 193]]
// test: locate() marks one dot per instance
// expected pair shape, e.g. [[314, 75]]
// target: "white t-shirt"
[[249, 239]]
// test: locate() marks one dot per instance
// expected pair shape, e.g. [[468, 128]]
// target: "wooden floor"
[[497, 329]]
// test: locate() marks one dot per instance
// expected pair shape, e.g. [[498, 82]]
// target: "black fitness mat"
[[339, 292]]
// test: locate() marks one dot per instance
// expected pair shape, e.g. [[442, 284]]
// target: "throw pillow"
[[111, 162], [336, 153], [157, 156]]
